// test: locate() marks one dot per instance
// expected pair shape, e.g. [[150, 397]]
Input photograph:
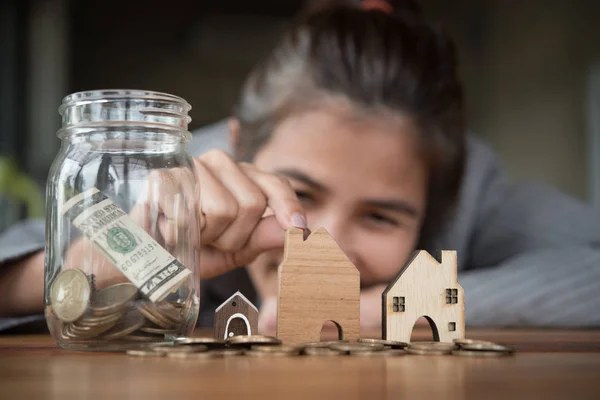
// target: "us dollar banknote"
[[149, 266]]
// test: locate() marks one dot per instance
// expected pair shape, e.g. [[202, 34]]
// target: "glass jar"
[[122, 224]]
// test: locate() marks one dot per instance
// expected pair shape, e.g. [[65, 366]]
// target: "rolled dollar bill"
[[149, 266]]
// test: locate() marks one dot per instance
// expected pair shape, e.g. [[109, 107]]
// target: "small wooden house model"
[[317, 283], [426, 288], [236, 316]]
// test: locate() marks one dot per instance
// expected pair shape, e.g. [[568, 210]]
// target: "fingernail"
[[299, 221]]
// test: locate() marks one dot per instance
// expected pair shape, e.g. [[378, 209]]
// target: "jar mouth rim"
[[88, 96]]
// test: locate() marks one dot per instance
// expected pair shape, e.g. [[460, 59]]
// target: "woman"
[[355, 122]]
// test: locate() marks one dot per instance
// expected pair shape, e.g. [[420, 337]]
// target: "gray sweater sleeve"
[[531, 254], [20, 240]]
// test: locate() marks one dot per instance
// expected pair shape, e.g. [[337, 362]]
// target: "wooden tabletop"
[[549, 364]]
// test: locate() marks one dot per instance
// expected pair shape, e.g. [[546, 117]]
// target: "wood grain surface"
[[317, 284], [549, 365]]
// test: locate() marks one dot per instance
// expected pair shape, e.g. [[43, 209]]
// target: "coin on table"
[[320, 351], [273, 350], [432, 346], [387, 343], [382, 353], [145, 353], [249, 340], [131, 322], [464, 341], [202, 341], [180, 349], [431, 352], [487, 346], [70, 295], [480, 353], [113, 298], [349, 348]]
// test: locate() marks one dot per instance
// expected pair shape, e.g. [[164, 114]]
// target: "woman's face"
[[359, 177]]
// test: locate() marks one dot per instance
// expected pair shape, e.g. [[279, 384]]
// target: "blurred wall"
[[524, 63]]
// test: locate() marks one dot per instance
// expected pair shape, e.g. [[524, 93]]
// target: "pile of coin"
[[460, 347], [480, 348], [116, 312], [267, 346]]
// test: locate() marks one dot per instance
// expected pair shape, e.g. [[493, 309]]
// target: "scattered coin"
[[70, 294], [350, 348], [432, 346], [382, 353], [209, 342], [274, 350], [145, 353], [180, 349], [242, 340], [487, 346], [431, 352], [320, 351], [388, 343]]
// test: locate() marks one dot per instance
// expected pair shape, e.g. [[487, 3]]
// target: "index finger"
[[281, 197]]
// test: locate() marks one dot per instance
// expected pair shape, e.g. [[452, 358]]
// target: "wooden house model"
[[236, 316], [317, 283], [426, 288]]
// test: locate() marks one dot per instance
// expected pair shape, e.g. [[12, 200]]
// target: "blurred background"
[[531, 71]]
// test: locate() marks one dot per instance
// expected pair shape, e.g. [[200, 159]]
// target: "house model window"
[[399, 304], [452, 326], [451, 296]]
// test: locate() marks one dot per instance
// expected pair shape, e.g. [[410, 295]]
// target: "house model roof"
[[413, 257], [238, 293]]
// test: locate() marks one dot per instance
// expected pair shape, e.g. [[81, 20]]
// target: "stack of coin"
[[243, 341], [273, 351], [481, 348], [430, 348], [389, 344], [355, 348], [113, 313]]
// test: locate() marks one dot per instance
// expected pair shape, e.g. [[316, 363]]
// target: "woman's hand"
[[229, 203]]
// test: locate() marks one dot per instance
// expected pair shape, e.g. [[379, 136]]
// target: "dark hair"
[[378, 61]]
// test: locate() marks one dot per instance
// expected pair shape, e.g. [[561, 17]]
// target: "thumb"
[[267, 235]]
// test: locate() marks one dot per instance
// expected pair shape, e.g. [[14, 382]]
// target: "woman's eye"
[[381, 219], [304, 196]]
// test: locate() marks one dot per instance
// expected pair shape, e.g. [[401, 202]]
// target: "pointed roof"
[[238, 293], [412, 258]]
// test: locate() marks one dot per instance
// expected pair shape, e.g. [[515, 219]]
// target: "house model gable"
[[425, 287]]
